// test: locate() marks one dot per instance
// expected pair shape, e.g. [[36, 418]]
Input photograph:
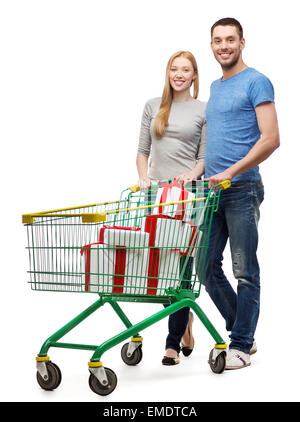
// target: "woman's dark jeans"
[[179, 320]]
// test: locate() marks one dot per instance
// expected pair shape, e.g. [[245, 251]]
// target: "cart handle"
[[225, 184], [29, 218], [134, 188], [100, 217]]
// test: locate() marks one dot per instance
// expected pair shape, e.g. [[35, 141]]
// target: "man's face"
[[227, 45]]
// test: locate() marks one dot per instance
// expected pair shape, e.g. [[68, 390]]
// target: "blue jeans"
[[237, 219], [177, 324]]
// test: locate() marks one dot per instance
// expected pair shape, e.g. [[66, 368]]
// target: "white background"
[[74, 78]]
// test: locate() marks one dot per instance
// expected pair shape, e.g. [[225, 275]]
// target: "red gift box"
[[109, 266]]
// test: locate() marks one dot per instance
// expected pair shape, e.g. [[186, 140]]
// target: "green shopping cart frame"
[[56, 242]]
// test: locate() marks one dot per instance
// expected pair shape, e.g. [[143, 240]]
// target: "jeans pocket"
[[257, 198], [259, 192]]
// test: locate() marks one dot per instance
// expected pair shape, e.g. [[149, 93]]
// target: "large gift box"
[[126, 261], [169, 240]]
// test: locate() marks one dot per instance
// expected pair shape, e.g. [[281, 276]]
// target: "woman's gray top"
[[183, 143]]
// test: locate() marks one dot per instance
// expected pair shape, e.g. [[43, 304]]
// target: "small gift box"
[[123, 236], [173, 192]]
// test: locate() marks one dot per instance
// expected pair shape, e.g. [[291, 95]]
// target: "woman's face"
[[181, 74]]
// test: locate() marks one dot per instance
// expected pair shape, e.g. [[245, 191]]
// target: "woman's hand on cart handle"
[[185, 178], [144, 183], [193, 174]]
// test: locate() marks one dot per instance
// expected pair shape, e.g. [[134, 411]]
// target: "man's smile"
[[225, 55]]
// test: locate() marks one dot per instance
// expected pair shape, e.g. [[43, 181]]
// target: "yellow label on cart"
[[94, 364], [42, 358], [134, 188], [220, 346], [225, 184], [93, 218], [27, 219]]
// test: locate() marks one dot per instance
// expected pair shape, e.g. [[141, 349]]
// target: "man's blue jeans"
[[237, 219]]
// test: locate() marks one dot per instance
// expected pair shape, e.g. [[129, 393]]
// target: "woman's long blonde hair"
[[162, 118]]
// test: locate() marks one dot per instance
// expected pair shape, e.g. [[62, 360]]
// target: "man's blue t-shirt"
[[232, 128]]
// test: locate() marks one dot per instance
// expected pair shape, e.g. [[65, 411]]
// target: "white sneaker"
[[253, 349], [235, 359]]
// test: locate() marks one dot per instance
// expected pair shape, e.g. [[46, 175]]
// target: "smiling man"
[[242, 132]]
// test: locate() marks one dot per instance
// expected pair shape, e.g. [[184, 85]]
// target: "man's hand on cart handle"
[[216, 179]]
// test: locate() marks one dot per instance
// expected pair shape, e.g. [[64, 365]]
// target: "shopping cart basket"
[[149, 246]]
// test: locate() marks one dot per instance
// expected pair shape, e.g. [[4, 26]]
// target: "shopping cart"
[[149, 246]]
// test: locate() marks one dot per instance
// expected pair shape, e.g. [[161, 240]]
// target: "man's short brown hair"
[[228, 22]]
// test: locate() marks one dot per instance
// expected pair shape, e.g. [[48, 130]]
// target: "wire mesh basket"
[[141, 247]]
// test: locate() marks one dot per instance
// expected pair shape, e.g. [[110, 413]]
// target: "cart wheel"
[[103, 390], [54, 377], [218, 365], [136, 356]]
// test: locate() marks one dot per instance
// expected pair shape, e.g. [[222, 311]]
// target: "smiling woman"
[[181, 73], [173, 127], [172, 144]]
